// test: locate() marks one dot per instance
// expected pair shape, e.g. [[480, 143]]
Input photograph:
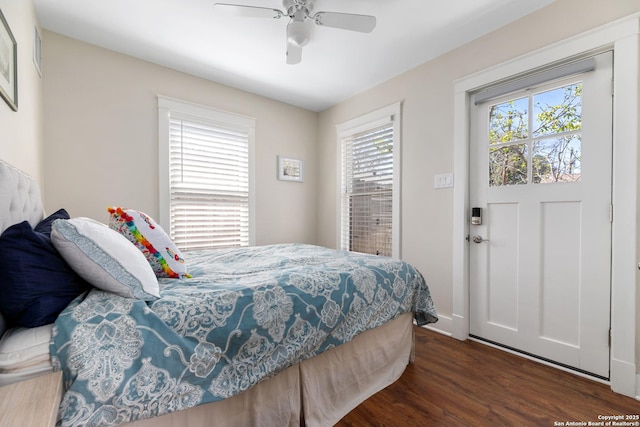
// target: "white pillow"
[[21, 347], [104, 258]]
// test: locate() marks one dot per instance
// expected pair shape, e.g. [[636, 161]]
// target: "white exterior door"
[[540, 261]]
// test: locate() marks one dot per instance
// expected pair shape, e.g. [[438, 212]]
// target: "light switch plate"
[[444, 180]]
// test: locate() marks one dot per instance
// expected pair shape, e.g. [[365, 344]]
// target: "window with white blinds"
[[369, 198], [208, 191]]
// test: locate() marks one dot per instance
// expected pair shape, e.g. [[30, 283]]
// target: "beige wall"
[[21, 132], [101, 135], [427, 93]]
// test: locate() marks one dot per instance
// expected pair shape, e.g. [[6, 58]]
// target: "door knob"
[[478, 239]]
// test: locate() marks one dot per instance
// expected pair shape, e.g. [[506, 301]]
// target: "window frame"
[[389, 114], [166, 106]]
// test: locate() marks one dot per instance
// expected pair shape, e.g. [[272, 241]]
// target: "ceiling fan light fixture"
[[298, 33], [302, 21]]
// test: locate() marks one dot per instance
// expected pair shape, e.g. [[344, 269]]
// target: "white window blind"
[[368, 191], [208, 182], [370, 176]]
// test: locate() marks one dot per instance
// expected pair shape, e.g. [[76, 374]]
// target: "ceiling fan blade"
[[246, 11], [346, 21], [294, 54]]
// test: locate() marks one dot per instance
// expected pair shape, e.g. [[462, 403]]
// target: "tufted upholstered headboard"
[[20, 200]]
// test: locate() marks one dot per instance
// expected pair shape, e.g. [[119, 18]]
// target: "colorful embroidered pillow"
[[163, 255]]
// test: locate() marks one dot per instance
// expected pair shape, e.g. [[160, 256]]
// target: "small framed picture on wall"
[[290, 169], [37, 50]]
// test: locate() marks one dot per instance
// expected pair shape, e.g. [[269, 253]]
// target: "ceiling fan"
[[301, 21]]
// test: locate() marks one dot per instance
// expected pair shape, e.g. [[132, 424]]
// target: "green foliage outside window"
[[543, 148]]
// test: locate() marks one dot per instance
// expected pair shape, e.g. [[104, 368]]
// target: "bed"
[[284, 335]]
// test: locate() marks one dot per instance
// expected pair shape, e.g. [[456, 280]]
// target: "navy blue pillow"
[[44, 226], [36, 283]]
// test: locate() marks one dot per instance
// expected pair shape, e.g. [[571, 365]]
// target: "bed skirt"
[[317, 392]]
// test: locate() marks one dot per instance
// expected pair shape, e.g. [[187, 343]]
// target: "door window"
[[542, 147]]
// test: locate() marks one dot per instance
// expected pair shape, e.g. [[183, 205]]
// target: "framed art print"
[[290, 169], [8, 65]]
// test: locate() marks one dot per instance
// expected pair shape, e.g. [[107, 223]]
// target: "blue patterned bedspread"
[[246, 315]]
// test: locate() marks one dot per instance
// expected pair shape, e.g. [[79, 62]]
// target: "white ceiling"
[[249, 53]]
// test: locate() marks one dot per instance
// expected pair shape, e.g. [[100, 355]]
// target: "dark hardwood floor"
[[454, 383]]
